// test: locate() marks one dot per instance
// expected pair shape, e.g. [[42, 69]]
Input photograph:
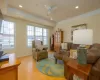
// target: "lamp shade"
[[84, 37]]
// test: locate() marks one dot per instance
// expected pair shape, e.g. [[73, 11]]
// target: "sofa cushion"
[[95, 71], [97, 46], [93, 56], [97, 64], [96, 68]]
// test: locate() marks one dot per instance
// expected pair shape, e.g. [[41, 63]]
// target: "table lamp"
[[83, 37]]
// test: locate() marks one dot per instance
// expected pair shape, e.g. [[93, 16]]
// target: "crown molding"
[[13, 12], [88, 14], [7, 17], [35, 15]]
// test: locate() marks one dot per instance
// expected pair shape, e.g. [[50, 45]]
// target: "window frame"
[[14, 28], [27, 33], [45, 36], [38, 36]]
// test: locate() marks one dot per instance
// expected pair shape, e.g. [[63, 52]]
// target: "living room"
[[29, 33]]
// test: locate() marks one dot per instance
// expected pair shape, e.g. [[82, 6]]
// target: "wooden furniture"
[[72, 67], [52, 43], [58, 39], [9, 69]]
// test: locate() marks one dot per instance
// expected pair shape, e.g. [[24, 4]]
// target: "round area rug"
[[49, 67]]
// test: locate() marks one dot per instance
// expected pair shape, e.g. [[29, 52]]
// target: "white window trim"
[[38, 36]]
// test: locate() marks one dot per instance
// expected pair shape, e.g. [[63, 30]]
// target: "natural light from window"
[[36, 33], [7, 35]]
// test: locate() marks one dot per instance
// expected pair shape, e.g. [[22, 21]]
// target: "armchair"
[[38, 50]]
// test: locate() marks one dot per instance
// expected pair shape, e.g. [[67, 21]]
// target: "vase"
[[82, 55]]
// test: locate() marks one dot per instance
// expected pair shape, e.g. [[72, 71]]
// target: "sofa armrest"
[[95, 71], [92, 56], [42, 52], [45, 48]]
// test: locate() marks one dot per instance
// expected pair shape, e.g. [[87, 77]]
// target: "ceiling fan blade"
[[54, 7], [50, 9], [47, 7]]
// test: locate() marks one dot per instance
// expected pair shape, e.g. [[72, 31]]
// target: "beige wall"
[[93, 22], [21, 48]]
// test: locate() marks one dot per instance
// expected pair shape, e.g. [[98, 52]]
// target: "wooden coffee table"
[[80, 70]]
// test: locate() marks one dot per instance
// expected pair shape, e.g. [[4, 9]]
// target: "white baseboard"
[[24, 55]]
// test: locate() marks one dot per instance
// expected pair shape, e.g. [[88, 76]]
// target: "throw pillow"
[[39, 47], [73, 54], [87, 46]]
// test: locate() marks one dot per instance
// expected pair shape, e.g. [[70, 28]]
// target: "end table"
[[81, 71]]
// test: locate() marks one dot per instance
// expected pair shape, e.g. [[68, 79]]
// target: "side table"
[[81, 71], [9, 69]]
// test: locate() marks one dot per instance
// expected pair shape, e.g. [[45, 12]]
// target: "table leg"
[[85, 77], [70, 76]]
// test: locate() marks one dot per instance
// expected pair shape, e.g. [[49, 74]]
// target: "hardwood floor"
[[28, 71]]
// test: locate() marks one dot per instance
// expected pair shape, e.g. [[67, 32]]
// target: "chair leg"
[[55, 61], [37, 60]]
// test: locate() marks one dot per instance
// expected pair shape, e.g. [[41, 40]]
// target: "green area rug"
[[49, 67]]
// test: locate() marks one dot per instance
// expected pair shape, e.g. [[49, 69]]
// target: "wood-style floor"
[[28, 71]]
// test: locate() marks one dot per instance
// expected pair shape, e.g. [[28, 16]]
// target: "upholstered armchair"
[[38, 50]]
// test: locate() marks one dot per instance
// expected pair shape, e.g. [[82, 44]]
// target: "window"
[[30, 35], [36, 33], [7, 35]]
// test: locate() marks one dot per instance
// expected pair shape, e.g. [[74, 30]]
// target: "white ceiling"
[[65, 8]]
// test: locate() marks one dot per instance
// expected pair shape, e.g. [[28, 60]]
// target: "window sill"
[[29, 47], [7, 48]]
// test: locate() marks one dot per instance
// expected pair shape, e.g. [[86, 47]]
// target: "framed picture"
[[77, 27]]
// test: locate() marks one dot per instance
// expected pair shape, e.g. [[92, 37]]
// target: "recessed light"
[[51, 18], [20, 6], [77, 7]]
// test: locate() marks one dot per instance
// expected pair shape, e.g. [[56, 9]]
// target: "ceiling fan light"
[[20, 6], [77, 7], [51, 18]]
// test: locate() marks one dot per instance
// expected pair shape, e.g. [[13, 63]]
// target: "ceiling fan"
[[50, 9]]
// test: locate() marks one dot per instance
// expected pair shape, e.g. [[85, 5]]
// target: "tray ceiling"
[[65, 8]]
